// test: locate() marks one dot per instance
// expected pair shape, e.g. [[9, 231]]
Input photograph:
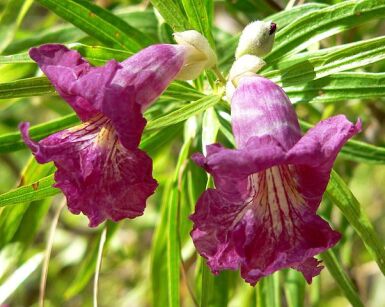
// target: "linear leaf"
[[344, 199], [323, 23], [184, 113], [35, 191], [339, 87], [58, 34], [98, 55], [16, 59], [286, 17], [144, 21], [12, 141], [11, 217], [99, 23], [182, 90], [198, 17], [294, 287], [172, 14], [207, 284], [336, 270], [173, 234], [35, 86], [159, 267], [268, 292], [10, 20], [321, 64]]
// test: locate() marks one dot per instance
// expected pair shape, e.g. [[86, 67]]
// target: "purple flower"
[[261, 217], [100, 169]]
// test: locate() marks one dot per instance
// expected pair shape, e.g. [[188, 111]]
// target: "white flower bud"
[[246, 65], [256, 39], [199, 54]]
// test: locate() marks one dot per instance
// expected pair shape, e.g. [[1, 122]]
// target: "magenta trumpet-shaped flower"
[[261, 216], [100, 169]]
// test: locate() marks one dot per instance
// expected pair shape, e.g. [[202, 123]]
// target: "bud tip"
[[273, 28]]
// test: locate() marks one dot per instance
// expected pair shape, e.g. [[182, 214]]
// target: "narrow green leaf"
[[144, 21], [323, 23], [35, 86], [173, 251], [98, 55], [58, 34], [294, 287], [15, 58], [358, 151], [341, 196], [268, 291], [13, 141], [210, 7], [11, 217], [207, 284], [339, 87], [316, 65], [159, 266], [172, 14], [198, 17], [35, 191], [153, 141], [99, 23], [335, 268], [173, 234], [183, 91], [10, 20], [184, 113], [286, 17]]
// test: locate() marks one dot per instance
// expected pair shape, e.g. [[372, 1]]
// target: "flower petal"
[[274, 229], [70, 73], [213, 218], [259, 107], [119, 91], [321, 144], [149, 72], [99, 176], [231, 167], [314, 155]]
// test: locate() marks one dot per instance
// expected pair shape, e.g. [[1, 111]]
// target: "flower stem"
[[48, 250], [219, 75], [99, 265]]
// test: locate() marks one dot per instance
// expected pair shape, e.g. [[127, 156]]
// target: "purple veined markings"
[[261, 216]]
